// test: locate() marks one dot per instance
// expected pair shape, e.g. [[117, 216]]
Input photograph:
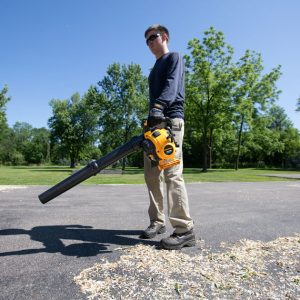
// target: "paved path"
[[42, 247], [288, 176]]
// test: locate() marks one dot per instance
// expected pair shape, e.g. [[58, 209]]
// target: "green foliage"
[[107, 116], [208, 85], [226, 104], [298, 104], [9, 153], [73, 125], [123, 94], [3, 100], [253, 94], [38, 150], [3, 124], [288, 136], [24, 144], [262, 141], [31, 143], [278, 118], [231, 116], [272, 140], [225, 147]]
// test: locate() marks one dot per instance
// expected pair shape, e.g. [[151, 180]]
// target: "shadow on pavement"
[[91, 241]]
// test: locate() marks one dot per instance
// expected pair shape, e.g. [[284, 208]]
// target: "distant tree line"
[[231, 115]]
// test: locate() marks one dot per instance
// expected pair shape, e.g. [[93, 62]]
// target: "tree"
[[31, 145], [73, 125], [261, 142], [122, 99], [3, 100], [22, 135], [288, 136], [291, 153], [38, 148], [24, 144], [8, 152], [3, 123], [279, 119], [17, 139], [208, 87], [252, 94], [298, 104]]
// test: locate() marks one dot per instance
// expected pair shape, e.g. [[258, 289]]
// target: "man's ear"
[[165, 37]]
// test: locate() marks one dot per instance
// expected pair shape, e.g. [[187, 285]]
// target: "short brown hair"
[[161, 29]]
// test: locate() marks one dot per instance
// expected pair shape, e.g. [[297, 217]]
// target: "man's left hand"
[[156, 116]]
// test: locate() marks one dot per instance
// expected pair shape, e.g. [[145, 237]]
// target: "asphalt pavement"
[[42, 247]]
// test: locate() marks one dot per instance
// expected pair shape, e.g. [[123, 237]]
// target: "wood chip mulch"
[[244, 270]]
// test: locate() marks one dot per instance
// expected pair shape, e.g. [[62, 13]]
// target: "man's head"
[[157, 37], [159, 29]]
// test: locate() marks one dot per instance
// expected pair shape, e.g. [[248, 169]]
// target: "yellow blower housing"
[[160, 147]]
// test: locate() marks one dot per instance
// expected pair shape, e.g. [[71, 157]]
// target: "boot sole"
[[190, 243]]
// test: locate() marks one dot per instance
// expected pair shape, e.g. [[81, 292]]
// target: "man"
[[166, 90]]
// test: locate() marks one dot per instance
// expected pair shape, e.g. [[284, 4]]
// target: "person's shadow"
[[89, 241]]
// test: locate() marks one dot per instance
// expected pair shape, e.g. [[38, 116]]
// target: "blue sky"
[[54, 48]]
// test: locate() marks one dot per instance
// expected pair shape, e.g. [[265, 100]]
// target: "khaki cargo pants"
[[177, 199]]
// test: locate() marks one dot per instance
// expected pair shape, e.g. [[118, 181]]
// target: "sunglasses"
[[152, 37]]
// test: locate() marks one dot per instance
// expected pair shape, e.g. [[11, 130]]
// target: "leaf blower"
[[157, 142]]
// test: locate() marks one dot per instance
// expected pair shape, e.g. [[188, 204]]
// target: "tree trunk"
[[123, 163], [72, 159], [126, 139], [48, 153], [73, 162], [239, 144], [205, 147], [210, 146]]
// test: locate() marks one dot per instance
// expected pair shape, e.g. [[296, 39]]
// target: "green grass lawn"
[[50, 175]]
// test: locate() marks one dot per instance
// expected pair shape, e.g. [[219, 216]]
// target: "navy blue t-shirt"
[[166, 84]]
